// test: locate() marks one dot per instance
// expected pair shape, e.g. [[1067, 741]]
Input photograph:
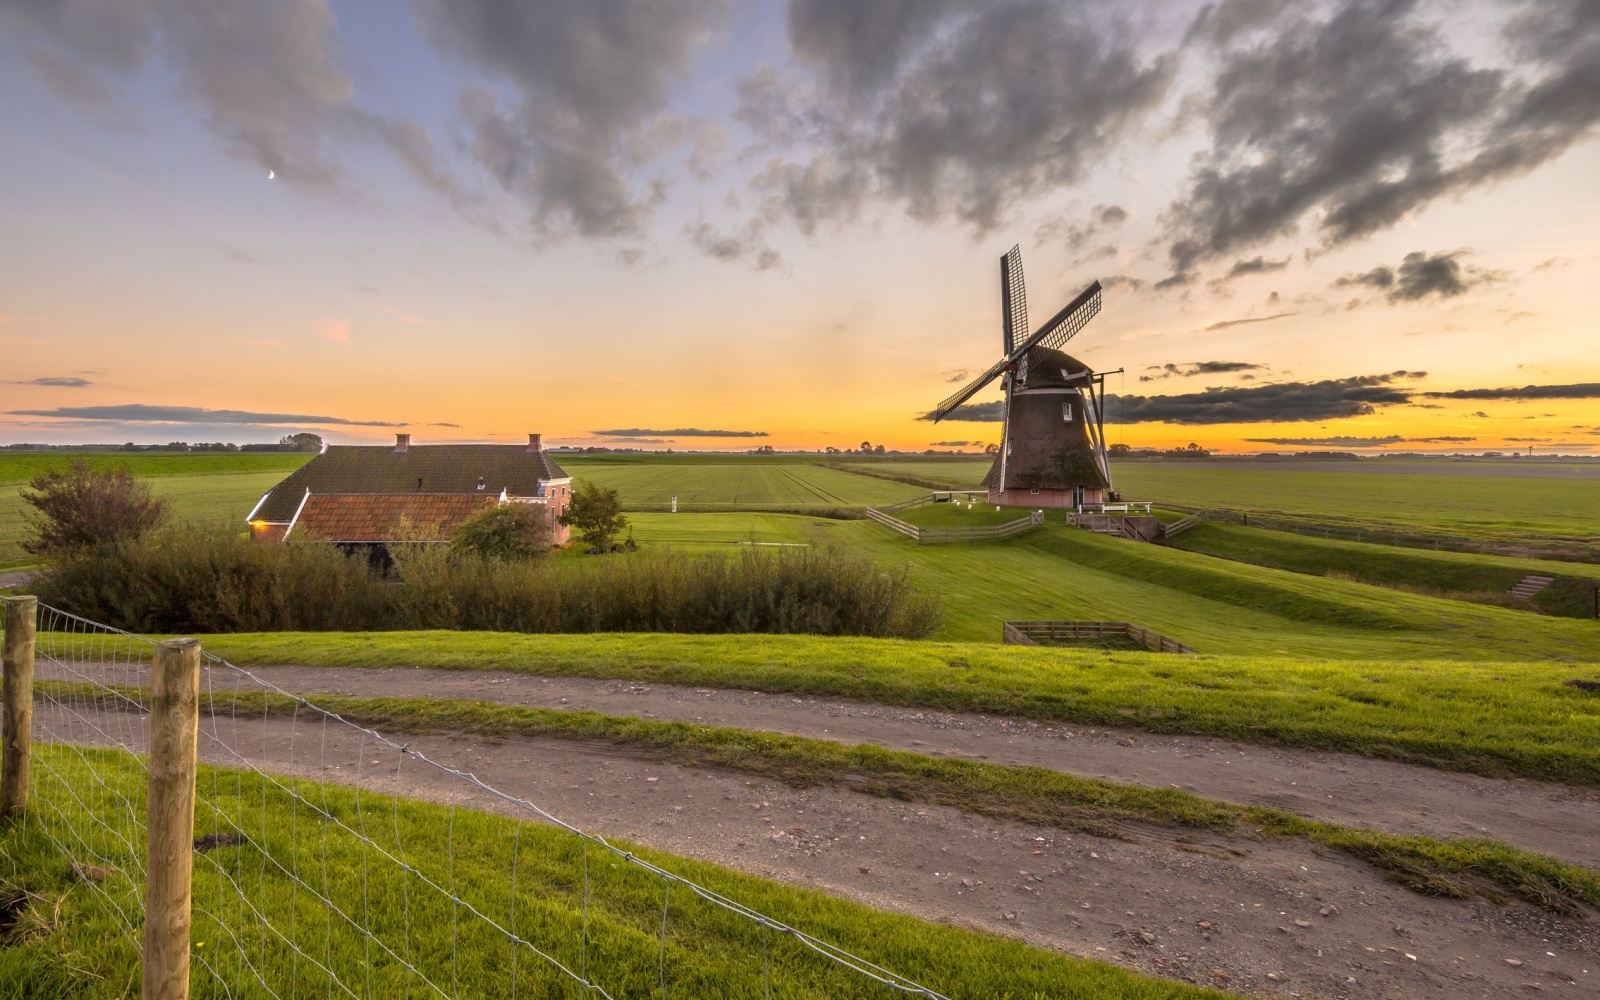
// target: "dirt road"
[[1549, 818], [1268, 918]]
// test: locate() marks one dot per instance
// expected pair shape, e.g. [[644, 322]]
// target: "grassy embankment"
[[1496, 719], [1460, 576], [1217, 606], [68, 940], [200, 487]]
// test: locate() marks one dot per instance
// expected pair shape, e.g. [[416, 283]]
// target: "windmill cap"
[[1047, 366]]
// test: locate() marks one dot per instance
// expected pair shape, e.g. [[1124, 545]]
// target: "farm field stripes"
[[740, 484]]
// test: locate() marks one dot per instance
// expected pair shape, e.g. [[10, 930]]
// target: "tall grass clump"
[[185, 580]]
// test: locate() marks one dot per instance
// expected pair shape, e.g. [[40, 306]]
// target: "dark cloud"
[[265, 77], [1420, 275], [1329, 399], [591, 82], [1360, 117], [950, 110], [988, 413], [1200, 368], [59, 382], [1075, 235], [954, 444], [141, 413], [441, 424], [1123, 281], [1256, 265], [1581, 390], [678, 432], [1333, 442], [1361, 442], [749, 246], [1224, 324]]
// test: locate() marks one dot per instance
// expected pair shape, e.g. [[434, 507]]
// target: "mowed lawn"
[[1215, 605], [737, 482], [204, 488]]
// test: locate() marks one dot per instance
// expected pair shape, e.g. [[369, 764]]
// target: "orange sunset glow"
[[765, 223]]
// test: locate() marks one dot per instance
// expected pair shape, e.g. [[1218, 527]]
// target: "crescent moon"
[[270, 175]]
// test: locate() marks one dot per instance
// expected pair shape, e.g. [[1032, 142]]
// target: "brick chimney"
[[402, 443], [533, 444]]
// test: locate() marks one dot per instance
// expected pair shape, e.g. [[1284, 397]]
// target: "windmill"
[[1053, 446]]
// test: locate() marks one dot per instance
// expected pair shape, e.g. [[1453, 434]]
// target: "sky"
[[1368, 225]]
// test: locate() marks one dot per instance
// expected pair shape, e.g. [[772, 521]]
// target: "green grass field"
[[208, 497], [75, 938], [750, 483], [1217, 606], [1488, 506]]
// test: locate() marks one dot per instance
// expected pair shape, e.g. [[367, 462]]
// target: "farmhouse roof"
[[414, 469], [347, 517]]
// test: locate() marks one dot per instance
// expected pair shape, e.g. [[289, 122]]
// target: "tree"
[[84, 508], [866, 446], [508, 531], [1119, 449], [303, 441], [596, 511], [878, 450], [991, 449]]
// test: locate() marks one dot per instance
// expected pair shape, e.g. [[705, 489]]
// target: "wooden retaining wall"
[[1036, 633]]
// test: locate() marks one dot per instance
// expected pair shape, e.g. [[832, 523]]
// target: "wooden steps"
[[1531, 585]]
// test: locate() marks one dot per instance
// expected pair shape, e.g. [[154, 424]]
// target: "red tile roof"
[[414, 517]]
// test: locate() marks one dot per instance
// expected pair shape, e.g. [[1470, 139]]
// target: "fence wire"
[[333, 861]]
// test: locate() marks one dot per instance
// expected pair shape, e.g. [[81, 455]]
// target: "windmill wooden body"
[[1052, 449]]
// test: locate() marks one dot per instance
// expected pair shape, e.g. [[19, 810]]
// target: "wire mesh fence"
[[330, 860]]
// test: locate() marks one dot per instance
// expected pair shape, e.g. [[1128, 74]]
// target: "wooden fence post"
[[16, 713], [169, 818]]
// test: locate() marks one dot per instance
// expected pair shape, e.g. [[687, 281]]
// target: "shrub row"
[[184, 580]]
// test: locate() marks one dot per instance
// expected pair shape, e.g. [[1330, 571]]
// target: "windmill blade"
[[969, 390], [1013, 301], [1064, 325]]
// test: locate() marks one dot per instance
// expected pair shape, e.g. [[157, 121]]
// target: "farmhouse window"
[[1066, 412]]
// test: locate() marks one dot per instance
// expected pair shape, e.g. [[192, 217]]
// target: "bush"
[[509, 531], [193, 581], [596, 511], [84, 508]]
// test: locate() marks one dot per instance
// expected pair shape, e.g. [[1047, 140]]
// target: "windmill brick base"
[[1048, 499]]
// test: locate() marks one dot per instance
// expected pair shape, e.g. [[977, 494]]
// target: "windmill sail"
[[1013, 301], [1064, 325], [969, 390]]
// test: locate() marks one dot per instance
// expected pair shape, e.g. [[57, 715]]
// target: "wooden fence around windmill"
[[986, 533], [1039, 633]]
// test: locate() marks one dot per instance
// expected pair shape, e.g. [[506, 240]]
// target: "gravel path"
[[1545, 817]]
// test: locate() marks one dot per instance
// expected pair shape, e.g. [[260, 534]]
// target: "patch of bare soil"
[[1343, 788], [1266, 918]]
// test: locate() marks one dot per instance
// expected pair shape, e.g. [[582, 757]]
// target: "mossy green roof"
[[426, 468]]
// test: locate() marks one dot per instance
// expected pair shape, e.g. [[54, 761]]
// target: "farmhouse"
[[373, 495]]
